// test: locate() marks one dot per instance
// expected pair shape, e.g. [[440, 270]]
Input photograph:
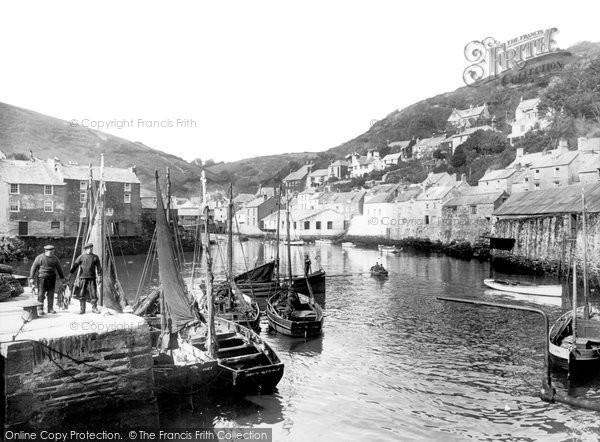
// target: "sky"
[[237, 79]]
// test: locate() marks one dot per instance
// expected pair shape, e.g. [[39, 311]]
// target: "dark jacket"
[[46, 266], [90, 266]]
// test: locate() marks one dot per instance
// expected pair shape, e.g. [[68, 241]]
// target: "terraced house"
[[45, 198]]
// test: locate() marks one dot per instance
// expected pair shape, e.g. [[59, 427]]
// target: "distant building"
[[257, 209], [316, 223], [338, 169], [296, 181], [402, 147], [317, 178], [547, 169], [423, 149], [473, 116], [363, 165], [392, 159], [498, 180], [527, 118], [350, 204]]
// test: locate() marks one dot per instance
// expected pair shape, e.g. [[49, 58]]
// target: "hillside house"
[[362, 165], [317, 178], [403, 148], [423, 149], [349, 203], [256, 210], [296, 181], [473, 116], [392, 159], [547, 169], [527, 117], [338, 169], [499, 180]]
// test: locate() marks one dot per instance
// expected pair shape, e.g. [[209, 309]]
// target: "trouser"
[[88, 291], [46, 286]]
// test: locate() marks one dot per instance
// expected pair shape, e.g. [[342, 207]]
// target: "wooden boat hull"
[[348, 245], [380, 274], [185, 379], [294, 328], [246, 362], [516, 287], [323, 241], [316, 280], [583, 360]]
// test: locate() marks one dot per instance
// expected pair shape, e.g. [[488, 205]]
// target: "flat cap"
[[88, 245], [49, 247]]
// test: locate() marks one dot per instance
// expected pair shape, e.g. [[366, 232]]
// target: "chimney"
[[519, 152], [563, 146], [582, 143], [133, 169]]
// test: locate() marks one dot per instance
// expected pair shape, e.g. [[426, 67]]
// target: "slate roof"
[[298, 174], [475, 199], [111, 174], [392, 156], [29, 172], [434, 193], [319, 172], [557, 200], [470, 112], [256, 202], [341, 197], [342, 163], [530, 104], [498, 174], [381, 198], [408, 194], [549, 158], [243, 198]]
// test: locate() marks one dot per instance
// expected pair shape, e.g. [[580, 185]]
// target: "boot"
[[41, 307], [41, 311], [82, 306], [95, 307], [51, 304]]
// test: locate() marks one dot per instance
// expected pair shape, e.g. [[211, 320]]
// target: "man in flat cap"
[[46, 266], [90, 275]]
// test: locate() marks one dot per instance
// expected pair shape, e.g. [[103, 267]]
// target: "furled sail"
[[263, 273], [178, 306]]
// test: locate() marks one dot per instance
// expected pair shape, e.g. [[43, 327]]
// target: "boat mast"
[[168, 196], [574, 321], [197, 238], [102, 231], [586, 310], [210, 336], [230, 243], [277, 241], [162, 292], [289, 247]]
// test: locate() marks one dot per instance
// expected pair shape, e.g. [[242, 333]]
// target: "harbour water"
[[394, 362]]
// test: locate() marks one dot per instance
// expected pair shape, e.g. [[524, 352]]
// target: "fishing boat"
[[348, 245], [178, 367], [286, 313], [323, 241], [574, 339], [231, 303], [294, 242], [197, 352], [524, 287], [388, 249]]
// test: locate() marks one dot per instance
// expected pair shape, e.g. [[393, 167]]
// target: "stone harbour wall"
[[544, 243], [85, 381]]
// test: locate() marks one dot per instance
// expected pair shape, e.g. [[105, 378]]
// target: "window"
[[536, 174], [83, 185], [537, 185], [127, 198], [497, 184], [556, 171], [108, 211], [15, 205], [294, 225], [48, 206], [55, 225], [473, 210], [82, 212], [127, 187], [318, 225], [48, 190], [82, 197], [426, 206], [526, 180], [329, 225], [557, 184], [426, 219], [14, 189], [306, 225]]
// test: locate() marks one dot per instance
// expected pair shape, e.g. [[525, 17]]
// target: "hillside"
[[22, 130], [419, 120]]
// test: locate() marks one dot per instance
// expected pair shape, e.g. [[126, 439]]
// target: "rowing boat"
[[524, 287]]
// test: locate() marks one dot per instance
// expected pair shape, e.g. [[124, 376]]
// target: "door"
[[23, 228]]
